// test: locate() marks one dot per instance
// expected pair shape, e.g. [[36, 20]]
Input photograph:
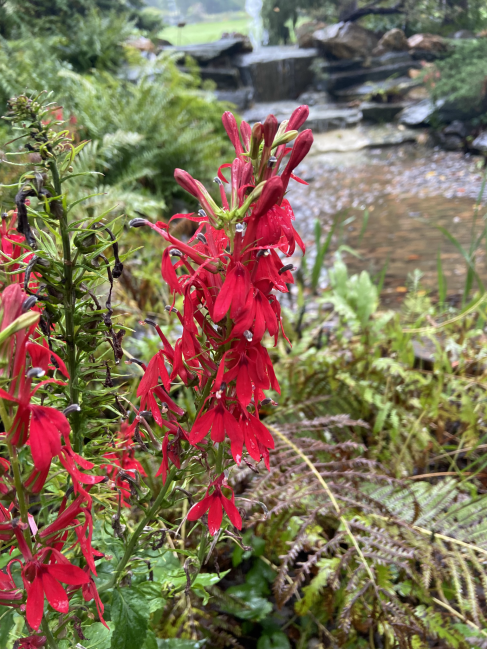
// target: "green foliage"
[[130, 616], [96, 41], [461, 75]]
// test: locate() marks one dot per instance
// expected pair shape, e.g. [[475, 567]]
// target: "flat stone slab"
[[399, 86], [206, 52], [417, 114], [361, 137], [277, 73], [341, 80], [375, 112], [322, 118]]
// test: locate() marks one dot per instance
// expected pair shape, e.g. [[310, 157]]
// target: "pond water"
[[407, 191]]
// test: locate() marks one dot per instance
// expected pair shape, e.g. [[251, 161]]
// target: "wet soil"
[[406, 191]]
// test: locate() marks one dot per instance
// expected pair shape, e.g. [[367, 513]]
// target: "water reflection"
[[407, 190]]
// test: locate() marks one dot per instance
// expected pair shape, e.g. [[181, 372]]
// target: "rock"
[[427, 46], [346, 40], [380, 113], [417, 114], [456, 128], [277, 73], [480, 142], [393, 41], [389, 88], [204, 53], [464, 33], [246, 45], [241, 98], [341, 80], [312, 98], [390, 57], [304, 33], [361, 137], [451, 142], [225, 78], [322, 118]]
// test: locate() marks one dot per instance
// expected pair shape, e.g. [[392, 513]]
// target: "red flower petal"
[[199, 509], [69, 574], [55, 593], [35, 604], [215, 515]]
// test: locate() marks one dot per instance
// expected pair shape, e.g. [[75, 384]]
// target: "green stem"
[[69, 305], [219, 459], [47, 632], [140, 528], [19, 488], [19, 485]]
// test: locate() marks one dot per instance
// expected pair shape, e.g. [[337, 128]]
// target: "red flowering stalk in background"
[[227, 278], [45, 433]]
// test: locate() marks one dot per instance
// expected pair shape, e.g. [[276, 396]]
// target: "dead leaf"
[[412, 257], [401, 289]]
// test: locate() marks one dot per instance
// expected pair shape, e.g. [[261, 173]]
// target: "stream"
[[406, 191]]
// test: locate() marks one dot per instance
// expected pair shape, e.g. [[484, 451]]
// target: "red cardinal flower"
[[214, 505], [41, 579], [33, 642], [220, 421], [233, 293]]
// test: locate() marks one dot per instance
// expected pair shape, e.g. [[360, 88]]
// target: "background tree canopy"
[[437, 16]]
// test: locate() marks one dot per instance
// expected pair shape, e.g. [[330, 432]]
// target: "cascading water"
[[256, 33]]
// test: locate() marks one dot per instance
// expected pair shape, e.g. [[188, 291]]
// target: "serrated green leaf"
[[130, 616]]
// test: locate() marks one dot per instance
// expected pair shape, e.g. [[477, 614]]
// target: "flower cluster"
[[227, 278], [44, 433]]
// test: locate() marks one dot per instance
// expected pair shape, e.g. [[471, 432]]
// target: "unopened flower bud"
[[35, 373], [287, 267], [270, 129], [137, 223], [247, 334], [28, 303], [256, 139], [298, 118], [74, 407]]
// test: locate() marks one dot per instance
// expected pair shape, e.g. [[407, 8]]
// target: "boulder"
[[341, 80], [246, 45], [204, 53], [393, 41], [427, 46], [278, 72], [380, 113], [417, 114], [388, 89], [241, 98], [480, 143], [304, 33], [322, 118], [463, 33], [456, 128], [346, 40]]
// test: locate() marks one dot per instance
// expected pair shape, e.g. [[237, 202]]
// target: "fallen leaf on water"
[[461, 190], [401, 289], [412, 257], [430, 174], [442, 177]]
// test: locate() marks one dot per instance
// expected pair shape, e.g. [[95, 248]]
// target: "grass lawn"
[[204, 32]]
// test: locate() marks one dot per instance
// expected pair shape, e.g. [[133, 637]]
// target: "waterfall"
[[256, 33]]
